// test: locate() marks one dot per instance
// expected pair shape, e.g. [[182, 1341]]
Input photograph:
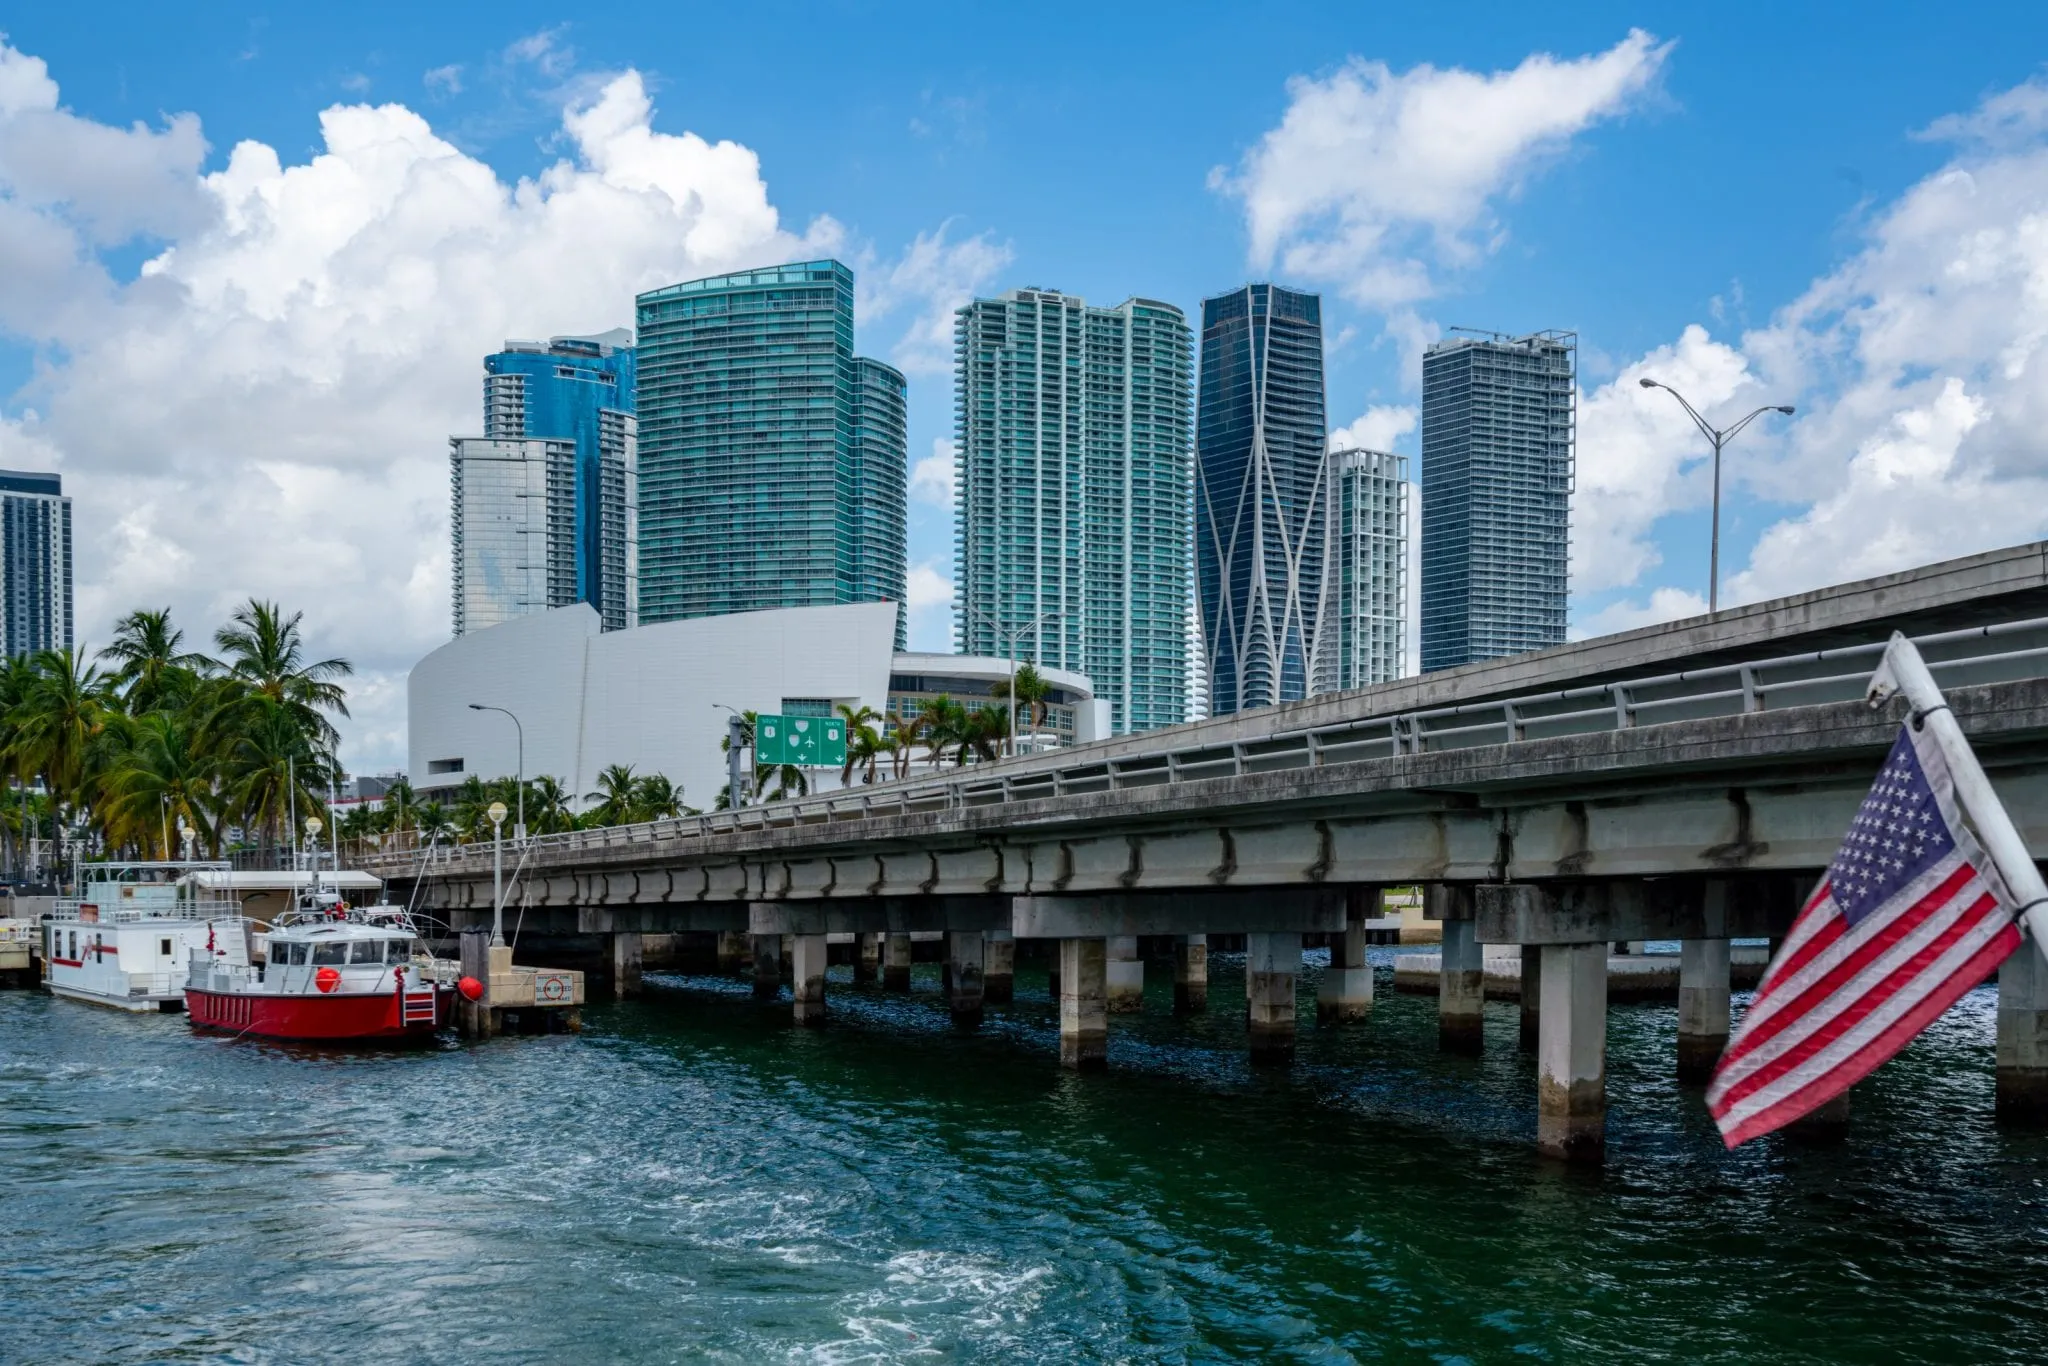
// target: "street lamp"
[[496, 811], [735, 738], [519, 829], [1719, 438], [1010, 640]]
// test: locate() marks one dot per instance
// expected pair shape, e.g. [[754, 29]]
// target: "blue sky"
[[1762, 173]]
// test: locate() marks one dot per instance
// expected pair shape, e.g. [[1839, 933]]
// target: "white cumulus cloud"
[[1920, 369], [932, 478], [1375, 180], [934, 277], [264, 407], [1377, 429]]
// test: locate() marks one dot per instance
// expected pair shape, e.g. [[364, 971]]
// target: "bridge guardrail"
[[1840, 674]]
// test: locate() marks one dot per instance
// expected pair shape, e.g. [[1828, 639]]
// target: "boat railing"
[[184, 908], [153, 983]]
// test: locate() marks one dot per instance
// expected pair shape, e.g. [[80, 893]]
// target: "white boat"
[[126, 939]]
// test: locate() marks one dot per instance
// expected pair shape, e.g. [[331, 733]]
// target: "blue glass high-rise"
[[1261, 495], [581, 390]]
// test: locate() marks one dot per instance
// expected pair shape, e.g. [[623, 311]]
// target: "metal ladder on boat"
[[416, 1007]]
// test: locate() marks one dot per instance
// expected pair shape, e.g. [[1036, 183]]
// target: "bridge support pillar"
[[998, 967], [966, 979], [624, 962], [767, 965], [1126, 975], [1084, 1004], [1702, 1006], [732, 951], [1571, 1052], [2023, 1036], [1532, 995], [867, 957], [1191, 974], [1461, 991], [1271, 963], [896, 962], [807, 977], [1346, 992]]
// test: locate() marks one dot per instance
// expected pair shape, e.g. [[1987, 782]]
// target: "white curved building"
[[653, 696]]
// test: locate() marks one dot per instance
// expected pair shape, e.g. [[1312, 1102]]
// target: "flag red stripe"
[[1860, 1006], [1763, 1025], [1797, 938], [1873, 1055]]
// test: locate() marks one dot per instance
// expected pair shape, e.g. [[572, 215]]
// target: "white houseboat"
[[125, 940]]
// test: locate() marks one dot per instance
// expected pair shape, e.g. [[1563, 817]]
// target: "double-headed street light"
[[1010, 640], [519, 828], [1719, 437]]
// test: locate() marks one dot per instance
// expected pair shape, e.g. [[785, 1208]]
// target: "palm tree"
[[617, 790], [263, 650], [548, 806], [944, 725], [59, 723], [272, 767], [1029, 690], [396, 813], [151, 672], [159, 778], [655, 798], [863, 741], [433, 823], [983, 735]]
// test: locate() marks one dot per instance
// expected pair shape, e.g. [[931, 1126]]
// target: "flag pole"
[[1903, 671]]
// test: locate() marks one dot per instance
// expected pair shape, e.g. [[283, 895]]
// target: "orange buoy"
[[327, 979], [470, 988]]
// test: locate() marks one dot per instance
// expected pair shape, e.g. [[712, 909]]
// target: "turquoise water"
[[693, 1179]]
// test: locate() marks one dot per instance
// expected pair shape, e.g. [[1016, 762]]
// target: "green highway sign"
[[808, 741]]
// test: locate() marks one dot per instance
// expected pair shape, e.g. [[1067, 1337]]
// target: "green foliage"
[[126, 744]]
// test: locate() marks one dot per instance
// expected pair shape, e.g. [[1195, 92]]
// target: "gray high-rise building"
[[772, 459], [1072, 426], [1363, 635], [35, 546], [1261, 499], [513, 515], [1499, 427]]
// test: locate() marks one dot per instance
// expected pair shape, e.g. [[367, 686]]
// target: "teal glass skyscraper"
[[1073, 430], [772, 459]]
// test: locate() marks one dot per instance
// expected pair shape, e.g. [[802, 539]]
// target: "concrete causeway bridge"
[[1686, 782]]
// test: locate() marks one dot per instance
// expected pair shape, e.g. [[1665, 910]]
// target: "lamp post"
[[519, 828], [1009, 639], [735, 739], [1719, 437], [496, 811], [313, 844]]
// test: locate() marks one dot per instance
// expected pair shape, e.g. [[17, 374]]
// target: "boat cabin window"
[[287, 953], [368, 951], [398, 950], [163, 948], [331, 954]]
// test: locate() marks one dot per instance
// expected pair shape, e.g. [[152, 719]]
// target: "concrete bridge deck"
[[1655, 785]]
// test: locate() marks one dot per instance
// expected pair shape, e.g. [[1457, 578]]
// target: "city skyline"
[[329, 237]]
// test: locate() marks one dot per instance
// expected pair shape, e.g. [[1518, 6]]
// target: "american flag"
[[1909, 916]]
